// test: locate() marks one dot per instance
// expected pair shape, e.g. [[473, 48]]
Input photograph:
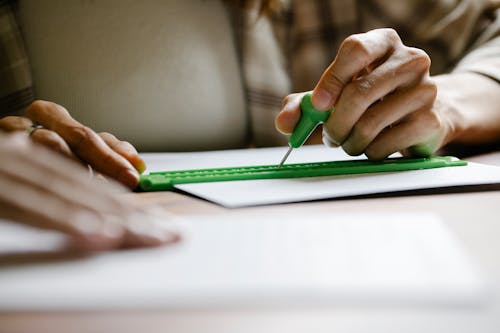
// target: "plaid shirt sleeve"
[[16, 90], [483, 56], [461, 35]]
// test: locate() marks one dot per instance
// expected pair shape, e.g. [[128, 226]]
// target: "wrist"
[[468, 103]]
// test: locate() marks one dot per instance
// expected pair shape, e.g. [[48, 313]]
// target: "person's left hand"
[[40, 188], [384, 98], [62, 133]]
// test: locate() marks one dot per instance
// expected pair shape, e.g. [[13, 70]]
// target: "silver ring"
[[30, 130]]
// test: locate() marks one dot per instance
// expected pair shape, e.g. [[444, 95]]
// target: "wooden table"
[[473, 217]]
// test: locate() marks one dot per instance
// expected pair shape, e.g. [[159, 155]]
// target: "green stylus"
[[309, 120]]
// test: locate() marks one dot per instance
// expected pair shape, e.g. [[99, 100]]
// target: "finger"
[[53, 141], [14, 123], [403, 69], [125, 149], [33, 206], [69, 208], [290, 113], [42, 168], [388, 112], [139, 229], [420, 130], [355, 54], [143, 229], [91, 230], [84, 142], [47, 138]]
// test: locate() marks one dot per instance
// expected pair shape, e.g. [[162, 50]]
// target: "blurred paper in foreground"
[[242, 259]]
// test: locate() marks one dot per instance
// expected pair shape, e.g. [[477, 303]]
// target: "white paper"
[[240, 259], [274, 191]]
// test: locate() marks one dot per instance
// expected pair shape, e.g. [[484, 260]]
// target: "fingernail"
[[280, 123], [130, 178], [139, 165], [322, 99]]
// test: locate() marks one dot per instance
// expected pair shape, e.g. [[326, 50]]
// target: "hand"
[[384, 99], [103, 152], [44, 190]]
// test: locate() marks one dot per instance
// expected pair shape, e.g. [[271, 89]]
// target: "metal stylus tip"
[[285, 157]]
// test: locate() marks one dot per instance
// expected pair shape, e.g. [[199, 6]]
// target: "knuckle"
[[430, 89], [419, 57], [391, 35], [355, 46], [79, 135], [434, 122], [38, 106], [107, 135], [126, 145]]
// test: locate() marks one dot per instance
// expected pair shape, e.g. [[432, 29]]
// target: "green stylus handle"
[[309, 120]]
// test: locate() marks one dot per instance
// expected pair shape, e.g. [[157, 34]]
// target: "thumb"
[[328, 89], [290, 113]]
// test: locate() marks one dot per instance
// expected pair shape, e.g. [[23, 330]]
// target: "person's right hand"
[[60, 132], [385, 100], [42, 189]]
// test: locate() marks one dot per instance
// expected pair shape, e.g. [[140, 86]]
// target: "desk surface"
[[473, 217]]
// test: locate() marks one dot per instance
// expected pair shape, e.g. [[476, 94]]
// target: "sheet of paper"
[[262, 192], [240, 259]]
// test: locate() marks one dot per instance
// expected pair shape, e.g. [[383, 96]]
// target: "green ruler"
[[164, 181]]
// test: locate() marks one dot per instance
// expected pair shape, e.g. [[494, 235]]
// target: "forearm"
[[472, 102]]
